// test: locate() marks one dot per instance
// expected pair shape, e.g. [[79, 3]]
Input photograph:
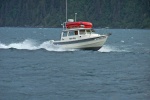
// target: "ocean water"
[[32, 69]]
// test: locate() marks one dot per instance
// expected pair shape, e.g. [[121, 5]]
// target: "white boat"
[[80, 35]]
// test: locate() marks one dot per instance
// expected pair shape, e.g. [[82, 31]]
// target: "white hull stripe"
[[79, 41]]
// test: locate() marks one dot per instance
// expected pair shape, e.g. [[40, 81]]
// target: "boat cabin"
[[71, 34], [77, 30]]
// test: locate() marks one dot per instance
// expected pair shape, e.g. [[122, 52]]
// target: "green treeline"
[[51, 13]]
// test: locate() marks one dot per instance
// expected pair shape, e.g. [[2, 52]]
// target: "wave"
[[29, 44], [108, 48]]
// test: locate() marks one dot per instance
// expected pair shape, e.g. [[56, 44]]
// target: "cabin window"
[[71, 33], [88, 31], [76, 32], [82, 32], [64, 34]]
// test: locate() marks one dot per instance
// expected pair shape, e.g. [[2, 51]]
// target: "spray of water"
[[108, 48], [29, 44]]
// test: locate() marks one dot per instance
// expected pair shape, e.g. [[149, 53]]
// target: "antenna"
[[66, 11], [75, 17]]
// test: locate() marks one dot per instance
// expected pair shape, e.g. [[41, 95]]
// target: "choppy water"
[[32, 69]]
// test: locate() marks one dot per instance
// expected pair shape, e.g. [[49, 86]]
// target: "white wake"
[[29, 44]]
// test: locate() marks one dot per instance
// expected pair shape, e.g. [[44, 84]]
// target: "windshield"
[[88, 31], [64, 33]]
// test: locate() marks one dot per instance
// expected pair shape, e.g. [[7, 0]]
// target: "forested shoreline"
[[51, 13]]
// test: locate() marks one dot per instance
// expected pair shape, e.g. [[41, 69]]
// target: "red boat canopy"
[[79, 24]]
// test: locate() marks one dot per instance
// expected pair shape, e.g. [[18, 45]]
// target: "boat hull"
[[92, 48], [94, 43]]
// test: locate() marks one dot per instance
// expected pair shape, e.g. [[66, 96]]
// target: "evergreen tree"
[[51, 13]]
